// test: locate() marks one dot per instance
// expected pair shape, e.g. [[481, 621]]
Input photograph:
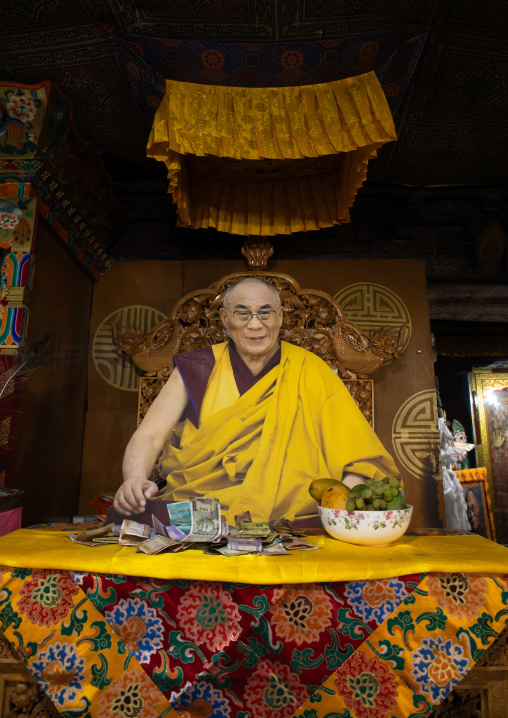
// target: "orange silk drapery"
[[267, 161]]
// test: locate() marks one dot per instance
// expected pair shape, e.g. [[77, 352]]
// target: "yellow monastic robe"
[[260, 451]]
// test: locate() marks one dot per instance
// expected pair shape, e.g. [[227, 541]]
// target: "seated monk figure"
[[261, 420]]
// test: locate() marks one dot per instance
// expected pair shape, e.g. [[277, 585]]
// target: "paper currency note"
[[132, 533], [275, 549], [252, 545], [176, 533], [172, 531], [158, 525], [155, 545], [180, 515], [133, 528], [244, 516], [295, 543], [225, 551], [254, 529], [86, 538], [285, 526], [255, 525], [205, 520]]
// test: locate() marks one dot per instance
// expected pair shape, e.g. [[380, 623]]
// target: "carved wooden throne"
[[311, 319]]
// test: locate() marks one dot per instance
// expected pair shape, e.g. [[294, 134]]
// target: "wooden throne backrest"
[[312, 319]]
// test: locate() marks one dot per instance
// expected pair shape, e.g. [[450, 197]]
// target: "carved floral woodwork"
[[20, 694], [312, 320]]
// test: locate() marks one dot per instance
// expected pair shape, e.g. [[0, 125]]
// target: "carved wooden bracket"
[[257, 251]]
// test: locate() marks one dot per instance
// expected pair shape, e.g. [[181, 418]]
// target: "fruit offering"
[[359, 494], [381, 495], [319, 486], [335, 497]]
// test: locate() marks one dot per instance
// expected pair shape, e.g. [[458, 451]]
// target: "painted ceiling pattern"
[[442, 63]]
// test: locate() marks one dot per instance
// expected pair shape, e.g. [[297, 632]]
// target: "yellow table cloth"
[[433, 627], [335, 561]]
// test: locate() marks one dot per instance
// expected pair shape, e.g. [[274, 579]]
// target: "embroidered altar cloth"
[[112, 645]]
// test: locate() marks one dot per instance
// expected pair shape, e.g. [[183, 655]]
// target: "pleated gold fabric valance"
[[267, 161]]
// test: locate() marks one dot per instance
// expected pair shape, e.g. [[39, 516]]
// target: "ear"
[[223, 317]]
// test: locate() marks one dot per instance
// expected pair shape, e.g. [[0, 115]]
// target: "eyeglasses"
[[243, 317]]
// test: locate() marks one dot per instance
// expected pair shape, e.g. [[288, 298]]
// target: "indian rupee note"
[[86, 538], [132, 533], [205, 520], [225, 551], [180, 515], [155, 545], [294, 543], [252, 545], [275, 549], [244, 516]]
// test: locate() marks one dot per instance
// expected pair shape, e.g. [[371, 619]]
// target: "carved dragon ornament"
[[312, 319]]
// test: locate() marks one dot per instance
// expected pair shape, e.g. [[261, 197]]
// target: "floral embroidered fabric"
[[119, 646]]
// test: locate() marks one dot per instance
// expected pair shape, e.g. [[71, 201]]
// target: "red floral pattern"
[[368, 687], [46, 597], [301, 613], [208, 616], [274, 691]]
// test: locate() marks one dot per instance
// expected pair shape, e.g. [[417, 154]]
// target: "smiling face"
[[254, 340]]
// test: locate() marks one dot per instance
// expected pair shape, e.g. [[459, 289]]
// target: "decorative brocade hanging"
[[267, 161]]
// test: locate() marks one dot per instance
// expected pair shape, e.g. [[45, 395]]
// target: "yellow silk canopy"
[[270, 160]]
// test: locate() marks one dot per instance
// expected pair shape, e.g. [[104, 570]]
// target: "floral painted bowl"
[[366, 528]]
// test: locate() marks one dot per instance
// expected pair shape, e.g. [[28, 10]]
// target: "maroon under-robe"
[[196, 367]]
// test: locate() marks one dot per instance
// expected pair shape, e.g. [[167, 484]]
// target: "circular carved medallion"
[[415, 434], [372, 306], [121, 373]]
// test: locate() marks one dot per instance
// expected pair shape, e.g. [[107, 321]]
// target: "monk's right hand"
[[132, 495]]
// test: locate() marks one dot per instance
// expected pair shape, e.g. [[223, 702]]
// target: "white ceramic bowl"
[[366, 528]]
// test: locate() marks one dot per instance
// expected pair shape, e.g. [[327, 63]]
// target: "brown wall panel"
[[106, 436], [153, 284], [48, 449], [404, 388], [112, 410]]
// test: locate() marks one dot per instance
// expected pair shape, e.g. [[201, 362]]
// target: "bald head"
[[235, 289]]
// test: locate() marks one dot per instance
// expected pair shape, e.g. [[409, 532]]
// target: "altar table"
[[343, 632]]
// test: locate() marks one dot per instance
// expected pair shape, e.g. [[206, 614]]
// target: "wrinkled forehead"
[[252, 295]]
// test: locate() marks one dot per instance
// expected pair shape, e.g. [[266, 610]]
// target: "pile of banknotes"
[[198, 524]]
